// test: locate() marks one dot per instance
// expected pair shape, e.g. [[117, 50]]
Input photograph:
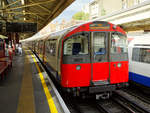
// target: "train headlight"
[[119, 64], [114, 27], [78, 67]]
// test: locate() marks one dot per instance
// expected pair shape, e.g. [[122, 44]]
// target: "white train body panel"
[[139, 60]]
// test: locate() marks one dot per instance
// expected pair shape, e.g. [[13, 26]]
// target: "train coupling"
[[122, 85], [105, 95]]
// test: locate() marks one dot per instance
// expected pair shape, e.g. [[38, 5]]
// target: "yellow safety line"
[[47, 93]]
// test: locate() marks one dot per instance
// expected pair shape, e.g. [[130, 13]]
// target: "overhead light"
[[22, 2], [23, 12]]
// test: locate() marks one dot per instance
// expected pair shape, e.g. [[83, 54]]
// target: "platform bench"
[[3, 68]]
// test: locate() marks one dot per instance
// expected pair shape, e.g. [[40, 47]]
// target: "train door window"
[[99, 43], [99, 46], [76, 45]]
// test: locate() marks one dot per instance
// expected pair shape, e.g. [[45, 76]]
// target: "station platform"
[[27, 88]]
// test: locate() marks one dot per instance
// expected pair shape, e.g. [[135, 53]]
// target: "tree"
[[103, 12], [80, 16]]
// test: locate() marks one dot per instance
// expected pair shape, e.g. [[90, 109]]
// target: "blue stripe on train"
[[139, 79]]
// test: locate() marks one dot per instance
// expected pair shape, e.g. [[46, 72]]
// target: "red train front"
[[89, 58], [94, 58]]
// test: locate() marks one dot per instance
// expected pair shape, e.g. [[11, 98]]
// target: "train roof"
[[54, 35], [143, 39], [60, 33]]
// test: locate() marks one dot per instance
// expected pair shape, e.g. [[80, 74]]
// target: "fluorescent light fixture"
[[22, 2], [23, 12]]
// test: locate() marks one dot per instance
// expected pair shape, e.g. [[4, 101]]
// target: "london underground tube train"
[[88, 58], [139, 61]]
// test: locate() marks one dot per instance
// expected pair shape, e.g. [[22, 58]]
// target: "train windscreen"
[[77, 45], [76, 49], [118, 43]]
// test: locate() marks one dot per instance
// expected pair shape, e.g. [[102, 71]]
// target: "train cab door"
[[99, 58], [76, 63], [118, 58]]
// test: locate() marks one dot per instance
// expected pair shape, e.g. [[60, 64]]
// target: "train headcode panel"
[[89, 58], [97, 25]]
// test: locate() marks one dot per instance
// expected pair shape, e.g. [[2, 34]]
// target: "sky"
[[67, 14]]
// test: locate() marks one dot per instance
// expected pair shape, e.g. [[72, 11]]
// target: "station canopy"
[[31, 11]]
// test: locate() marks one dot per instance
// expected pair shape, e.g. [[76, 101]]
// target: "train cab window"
[[118, 43], [76, 45]]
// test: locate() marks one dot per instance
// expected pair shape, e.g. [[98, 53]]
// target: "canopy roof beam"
[[17, 12], [29, 5], [12, 3], [42, 7]]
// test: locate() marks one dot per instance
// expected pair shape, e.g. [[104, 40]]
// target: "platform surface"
[[22, 90]]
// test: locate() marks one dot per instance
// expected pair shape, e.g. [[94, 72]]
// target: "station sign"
[[21, 27]]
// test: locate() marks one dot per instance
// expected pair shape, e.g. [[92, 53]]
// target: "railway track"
[[138, 94], [116, 104], [121, 102], [134, 103], [78, 105], [113, 106]]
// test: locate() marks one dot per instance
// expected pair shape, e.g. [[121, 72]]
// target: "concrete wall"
[[105, 7], [110, 6]]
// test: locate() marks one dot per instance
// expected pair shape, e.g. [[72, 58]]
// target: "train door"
[[99, 58], [109, 58], [118, 58], [43, 53], [76, 64]]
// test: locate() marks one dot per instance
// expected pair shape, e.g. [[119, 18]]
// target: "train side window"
[[76, 45], [145, 55], [141, 55], [52, 47], [136, 54], [47, 47]]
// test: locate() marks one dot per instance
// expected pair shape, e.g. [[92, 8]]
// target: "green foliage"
[[103, 12], [80, 16]]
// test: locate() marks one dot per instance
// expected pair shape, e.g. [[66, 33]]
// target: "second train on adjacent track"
[[87, 58], [139, 58]]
